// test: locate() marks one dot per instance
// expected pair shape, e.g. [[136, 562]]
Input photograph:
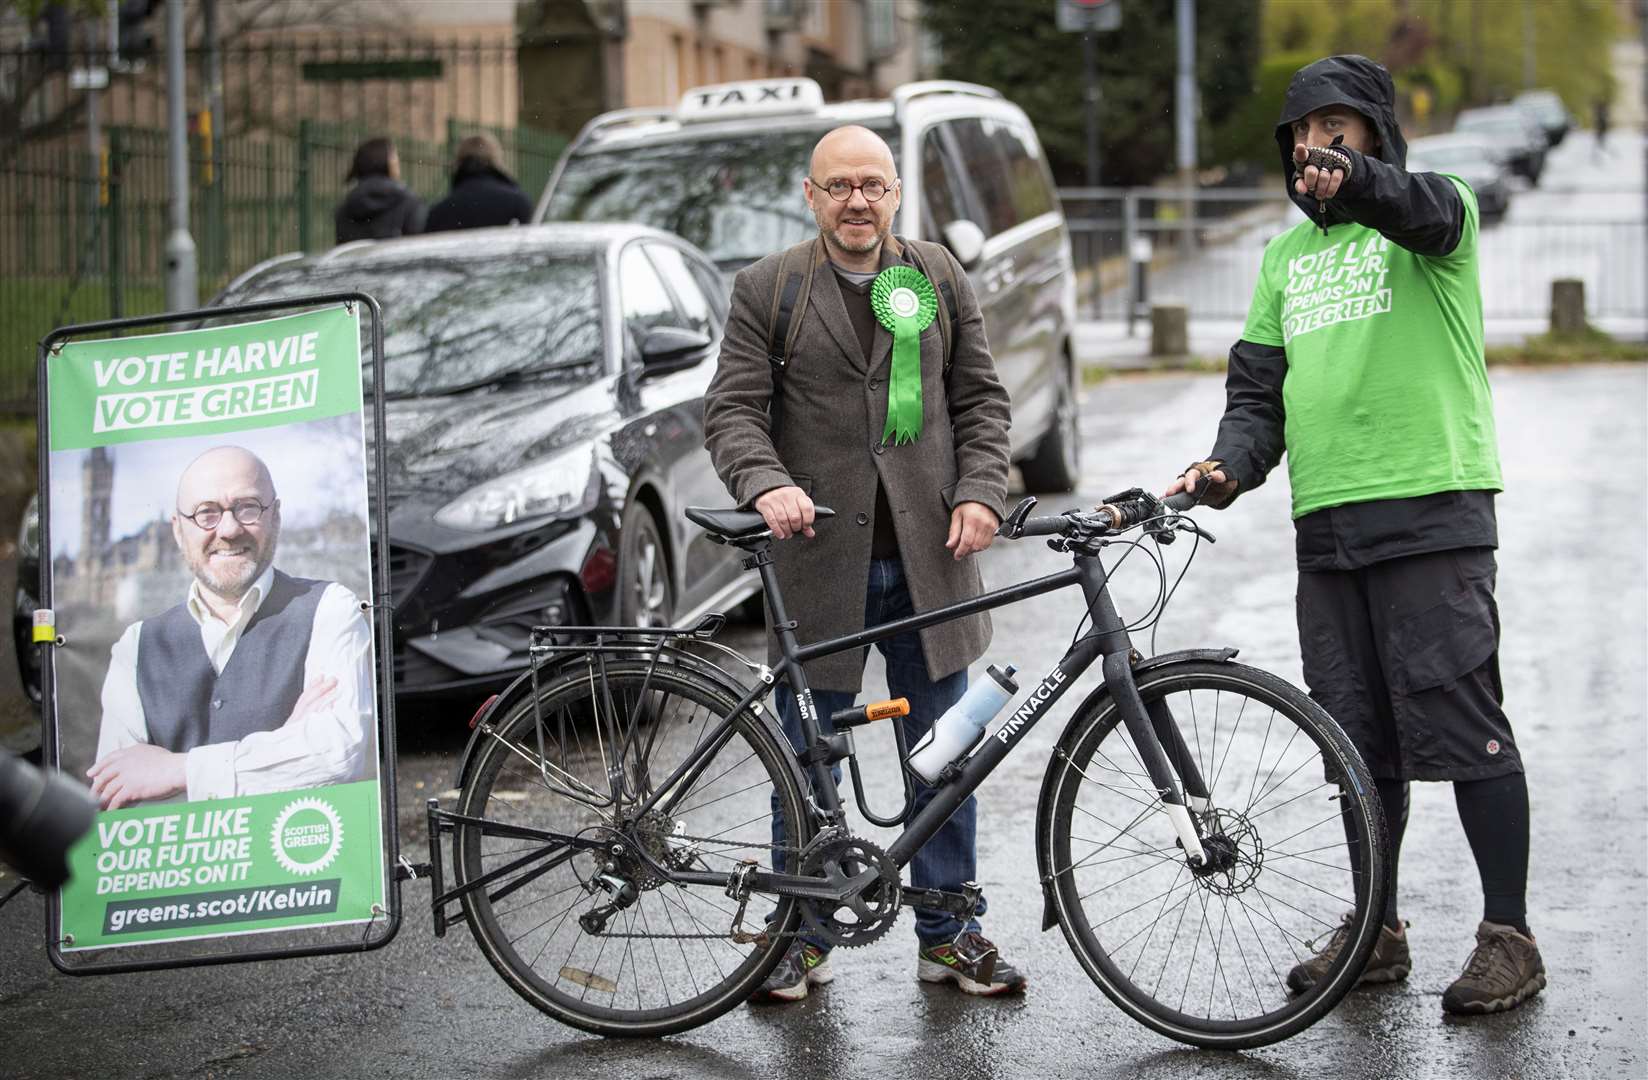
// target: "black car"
[[1479, 162], [1519, 133], [545, 430], [1547, 108]]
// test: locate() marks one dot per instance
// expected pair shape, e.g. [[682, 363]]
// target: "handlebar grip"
[[1184, 500], [1044, 526]]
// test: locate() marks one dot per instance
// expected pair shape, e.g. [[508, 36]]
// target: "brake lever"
[[1190, 526]]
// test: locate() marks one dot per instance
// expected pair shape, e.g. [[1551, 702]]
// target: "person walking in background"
[[1599, 112], [482, 194], [379, 206]]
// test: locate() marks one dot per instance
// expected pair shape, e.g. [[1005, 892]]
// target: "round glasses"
[[245, 511], [841, 190]]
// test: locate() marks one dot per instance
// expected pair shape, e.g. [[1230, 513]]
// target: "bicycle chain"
[[739, 937]]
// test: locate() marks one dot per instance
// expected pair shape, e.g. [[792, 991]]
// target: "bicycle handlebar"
[[1119, 512]]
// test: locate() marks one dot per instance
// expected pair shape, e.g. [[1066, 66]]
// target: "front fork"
[[1163, 752]]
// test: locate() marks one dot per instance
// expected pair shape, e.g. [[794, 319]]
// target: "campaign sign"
[[213, 680]]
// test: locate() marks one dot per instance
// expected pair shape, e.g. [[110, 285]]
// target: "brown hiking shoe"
[[1503, 971], [1390, 961]]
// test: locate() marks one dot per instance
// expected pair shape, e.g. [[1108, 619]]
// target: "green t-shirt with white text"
[[1386, 392]]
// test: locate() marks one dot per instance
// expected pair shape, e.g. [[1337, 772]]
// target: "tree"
[[1015, 46], [1463, 52], [34, 104]]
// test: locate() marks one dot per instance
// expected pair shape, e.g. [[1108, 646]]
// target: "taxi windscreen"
[[737, 197]]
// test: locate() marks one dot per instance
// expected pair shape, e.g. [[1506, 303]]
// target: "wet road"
[[1573, 601]]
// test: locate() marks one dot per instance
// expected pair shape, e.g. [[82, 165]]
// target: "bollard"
[[1568, 308], [1169, 330]]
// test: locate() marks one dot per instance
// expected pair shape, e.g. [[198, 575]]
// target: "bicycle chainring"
[[864, 916]]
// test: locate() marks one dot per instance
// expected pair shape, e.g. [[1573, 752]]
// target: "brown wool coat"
[[835, 406]]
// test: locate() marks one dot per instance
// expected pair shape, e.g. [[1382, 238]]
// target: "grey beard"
[[869, 245], [834, 237]]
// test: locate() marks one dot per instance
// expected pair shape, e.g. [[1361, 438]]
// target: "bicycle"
[[611, 830]]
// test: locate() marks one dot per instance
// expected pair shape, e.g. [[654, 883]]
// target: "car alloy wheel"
[[647, 595]]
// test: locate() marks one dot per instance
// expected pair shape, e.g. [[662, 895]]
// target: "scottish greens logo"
[[307, 836]]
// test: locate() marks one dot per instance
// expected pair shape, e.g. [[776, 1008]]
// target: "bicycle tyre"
[[1095, 734], [506, 784]]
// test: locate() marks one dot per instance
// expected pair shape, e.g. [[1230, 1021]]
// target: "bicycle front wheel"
[[1296, 842], [591, 930]]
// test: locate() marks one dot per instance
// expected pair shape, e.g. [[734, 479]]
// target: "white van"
[[724, 169]]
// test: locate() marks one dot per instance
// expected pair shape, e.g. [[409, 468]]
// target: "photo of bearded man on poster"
[[256, 681]]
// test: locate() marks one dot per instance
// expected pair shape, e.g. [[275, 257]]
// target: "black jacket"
[[377, 208], [1422, 212], [480, 196]]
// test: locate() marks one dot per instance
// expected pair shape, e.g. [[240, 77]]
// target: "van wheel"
[[1056, 465], [646, 594]]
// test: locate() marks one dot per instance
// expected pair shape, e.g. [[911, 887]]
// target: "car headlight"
[[564, 484]]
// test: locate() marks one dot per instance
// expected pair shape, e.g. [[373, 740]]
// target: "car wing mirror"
[[672, 348], [965, 241]]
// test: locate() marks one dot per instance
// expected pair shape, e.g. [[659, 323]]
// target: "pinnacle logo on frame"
[[1023, 714]]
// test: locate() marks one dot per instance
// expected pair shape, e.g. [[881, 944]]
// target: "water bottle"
[[962, 726]]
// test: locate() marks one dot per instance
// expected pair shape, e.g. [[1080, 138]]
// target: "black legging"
[[1494, 813]]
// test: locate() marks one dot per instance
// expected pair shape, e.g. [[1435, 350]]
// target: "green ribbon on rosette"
[[905, 303]]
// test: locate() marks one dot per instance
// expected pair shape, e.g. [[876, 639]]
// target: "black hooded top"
[[482, 195], [377, 208], [1422, 212]]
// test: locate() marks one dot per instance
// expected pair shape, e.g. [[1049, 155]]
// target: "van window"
[[1031, 193], [941, 198], [986, 166], [735, 197]]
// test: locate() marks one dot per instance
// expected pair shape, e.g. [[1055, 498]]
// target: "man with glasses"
[[256, 682], [917, 495]]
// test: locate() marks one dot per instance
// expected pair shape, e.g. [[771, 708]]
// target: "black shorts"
[[1405, 655]]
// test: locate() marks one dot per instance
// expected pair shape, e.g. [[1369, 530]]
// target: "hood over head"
[[1350, 80]]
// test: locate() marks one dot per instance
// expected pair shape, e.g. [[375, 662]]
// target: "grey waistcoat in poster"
[[186, 704]]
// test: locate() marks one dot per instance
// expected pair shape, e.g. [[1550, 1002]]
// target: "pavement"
[[1575, 610]]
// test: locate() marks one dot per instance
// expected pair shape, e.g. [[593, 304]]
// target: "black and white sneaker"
[[803, 966], [972, 962]]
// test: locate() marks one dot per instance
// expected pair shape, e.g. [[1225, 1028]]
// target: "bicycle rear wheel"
[[1298, 841], [668, 959]]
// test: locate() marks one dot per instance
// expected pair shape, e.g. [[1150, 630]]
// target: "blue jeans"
[[950, 857]]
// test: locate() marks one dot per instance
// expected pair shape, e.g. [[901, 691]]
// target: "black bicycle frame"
[[1155, 736]]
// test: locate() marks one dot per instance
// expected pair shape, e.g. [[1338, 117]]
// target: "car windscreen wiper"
[[503, 377]]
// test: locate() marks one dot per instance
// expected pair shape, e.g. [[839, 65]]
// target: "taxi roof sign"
[[755, 97]]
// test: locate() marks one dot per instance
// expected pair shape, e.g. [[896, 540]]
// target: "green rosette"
[[905, 303]]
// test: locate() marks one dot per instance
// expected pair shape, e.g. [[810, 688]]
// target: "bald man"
[[913, 513], [256, 682]]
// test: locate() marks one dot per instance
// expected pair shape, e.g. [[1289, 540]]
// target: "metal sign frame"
[[383, 613]]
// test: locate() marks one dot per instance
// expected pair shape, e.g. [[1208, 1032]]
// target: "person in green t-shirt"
[[1362, 359]]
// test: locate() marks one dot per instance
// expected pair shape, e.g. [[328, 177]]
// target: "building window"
[[880, 28], [676, 78]]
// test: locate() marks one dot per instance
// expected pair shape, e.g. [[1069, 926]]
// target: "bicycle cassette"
[[865, 914]]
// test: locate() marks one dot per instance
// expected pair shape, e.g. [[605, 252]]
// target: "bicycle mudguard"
[[1093, 702]]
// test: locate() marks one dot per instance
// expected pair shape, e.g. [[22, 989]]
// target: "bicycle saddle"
[[735, 525]]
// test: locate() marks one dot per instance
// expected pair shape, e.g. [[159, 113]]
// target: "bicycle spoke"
[[1211, 949]]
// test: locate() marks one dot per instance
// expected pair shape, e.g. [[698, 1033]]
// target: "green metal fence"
[[84, 239]]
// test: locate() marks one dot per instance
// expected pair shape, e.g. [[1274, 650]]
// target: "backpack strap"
[[944, 282], [790, 291]]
